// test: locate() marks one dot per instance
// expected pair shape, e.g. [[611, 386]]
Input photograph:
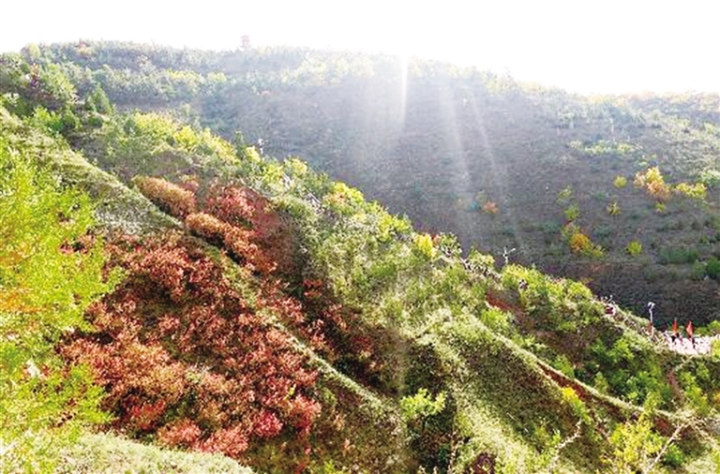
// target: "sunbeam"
[[498, 177]]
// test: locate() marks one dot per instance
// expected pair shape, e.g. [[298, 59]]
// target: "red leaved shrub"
[[183, 432], [242, 207], [243, 222], [172, 198], [183, 355]]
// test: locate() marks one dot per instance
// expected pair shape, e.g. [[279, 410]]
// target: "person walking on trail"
[[689, 330], [651, 323], [674, 336]]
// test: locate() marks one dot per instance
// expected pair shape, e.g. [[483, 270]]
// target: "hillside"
[[161, 282], [498, 163]]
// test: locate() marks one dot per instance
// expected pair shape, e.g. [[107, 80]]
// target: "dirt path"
[[683, 345]]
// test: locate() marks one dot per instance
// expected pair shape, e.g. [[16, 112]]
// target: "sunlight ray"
[[498, 176]]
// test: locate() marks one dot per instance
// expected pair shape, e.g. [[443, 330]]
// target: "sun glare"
[[590, 46]]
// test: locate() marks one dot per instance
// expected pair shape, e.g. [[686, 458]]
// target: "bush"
[[214, 373], [572, 213], [613, 209], [678, 255], [582, 245], [710, 178], [420, 406], [654, 183], [695, 191], [698, 271], [712, 268], [424, 246], [490, 208], [254, 220], [50, 272], [563, 364], [634, 248], [208, 227], [172, 198]]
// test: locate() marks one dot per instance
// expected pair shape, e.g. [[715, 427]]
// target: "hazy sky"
[[581, 45]]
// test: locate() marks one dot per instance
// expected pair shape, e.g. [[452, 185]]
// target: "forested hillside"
[[500, 164], [189, 292]]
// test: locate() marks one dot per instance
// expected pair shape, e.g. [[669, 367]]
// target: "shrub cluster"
[[51, 269], [172, 198], [184, 356], [653, 182], [244, 223]]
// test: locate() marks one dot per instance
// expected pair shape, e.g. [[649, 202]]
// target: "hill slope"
[[269, 313], [499, 164]]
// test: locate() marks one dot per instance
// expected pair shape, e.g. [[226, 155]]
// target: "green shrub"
[[695, 191], [50, 271], [572, 212], [635, 444], [674, 457], [563, 364], [424, 246], [714, 328], [613, 209], [715, 350], [698, 271], [566, 194], [634, 248], [421, 405], [712, 268], [678, 255], [710, 177]]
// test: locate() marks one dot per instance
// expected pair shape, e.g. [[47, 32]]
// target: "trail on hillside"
[[686, 346]]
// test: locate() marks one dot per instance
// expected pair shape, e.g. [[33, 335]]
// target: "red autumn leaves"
[[183, 355]]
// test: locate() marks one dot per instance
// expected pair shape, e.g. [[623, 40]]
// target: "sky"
[[585, 46]]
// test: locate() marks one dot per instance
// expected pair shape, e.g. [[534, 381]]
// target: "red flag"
[[689, 329], [675, 327]]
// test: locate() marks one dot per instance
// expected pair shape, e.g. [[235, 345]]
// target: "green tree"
[[50, 271], [98, 101]]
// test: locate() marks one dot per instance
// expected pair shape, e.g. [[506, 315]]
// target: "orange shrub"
[[206, 226], [582, 245], [490, 208], [171, 198], [653, 182]]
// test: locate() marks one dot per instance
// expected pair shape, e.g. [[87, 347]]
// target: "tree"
[[50, 271]]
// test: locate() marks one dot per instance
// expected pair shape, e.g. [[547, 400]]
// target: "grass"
[[111, 453]]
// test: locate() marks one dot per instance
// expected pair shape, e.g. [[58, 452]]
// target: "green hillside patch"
[[112, 453]]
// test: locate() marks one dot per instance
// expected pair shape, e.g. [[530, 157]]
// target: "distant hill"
[[192, 292]]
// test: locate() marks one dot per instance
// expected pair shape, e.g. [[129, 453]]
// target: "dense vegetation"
[[199, 295], [500, 164]]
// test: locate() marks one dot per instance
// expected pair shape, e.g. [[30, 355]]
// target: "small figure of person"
[[674, 335], [689, 330]]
